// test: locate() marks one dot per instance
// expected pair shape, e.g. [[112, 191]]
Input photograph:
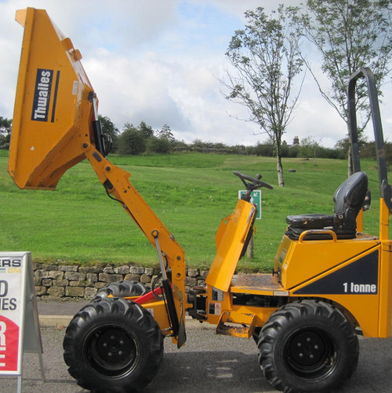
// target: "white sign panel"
[[12, 282], [19, 325]]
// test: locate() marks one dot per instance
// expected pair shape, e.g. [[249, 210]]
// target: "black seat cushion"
[[349, 199], [311, 221]]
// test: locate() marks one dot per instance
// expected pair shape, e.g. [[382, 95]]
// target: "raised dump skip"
[[53, 107]]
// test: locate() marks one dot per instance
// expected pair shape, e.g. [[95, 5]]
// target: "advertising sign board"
[[19, 324]]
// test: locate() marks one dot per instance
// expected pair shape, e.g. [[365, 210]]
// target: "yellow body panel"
[[230, 240], [344, 285], [301, 261], [355, 274], [385, 315], [222, 311], [159, 312], [364, 308]]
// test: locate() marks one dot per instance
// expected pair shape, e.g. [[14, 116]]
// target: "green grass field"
[[190, 192]]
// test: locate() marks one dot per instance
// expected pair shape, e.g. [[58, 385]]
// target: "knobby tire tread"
[[278, 324], [109, 311]]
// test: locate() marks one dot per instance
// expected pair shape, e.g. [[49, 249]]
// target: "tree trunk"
[[349, 161], [279, 168]]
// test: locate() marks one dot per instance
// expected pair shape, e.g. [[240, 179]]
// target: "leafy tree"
[[110, 129], [308, 148], [349, 34], [166, 133], [201, 146], [266, 60], [128, 126], [134, 140], [159, 145], [5, 132], [368, 150], [264, 149], [146, 130], [293, 151], [131, 141], [163, 141]]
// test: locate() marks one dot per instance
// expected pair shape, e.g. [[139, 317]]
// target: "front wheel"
[[113, 345], [308, 346]]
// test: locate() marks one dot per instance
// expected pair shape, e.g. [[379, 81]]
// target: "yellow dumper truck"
[[330, 281]]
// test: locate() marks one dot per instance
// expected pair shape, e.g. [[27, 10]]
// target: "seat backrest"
[[351, 193]]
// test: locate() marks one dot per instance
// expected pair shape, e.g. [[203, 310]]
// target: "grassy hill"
[[190, 192]]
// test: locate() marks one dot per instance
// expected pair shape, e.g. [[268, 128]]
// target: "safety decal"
[[359, 278], [215, 308], [217, 295]]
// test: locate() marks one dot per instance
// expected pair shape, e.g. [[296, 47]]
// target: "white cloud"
[[159, 62], [131, 92]]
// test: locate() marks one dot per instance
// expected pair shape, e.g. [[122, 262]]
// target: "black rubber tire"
[[113, 345], [122, 289], [256, 335], [308, 346]]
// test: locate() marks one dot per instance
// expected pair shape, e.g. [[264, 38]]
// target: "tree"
[[266, 59], [158, 145], [146, 130], [134, 140], [131, 141], [163, 140], [110, 129], [5, 132], [309, 148], [349, 34], [166, 133], [265, 149]]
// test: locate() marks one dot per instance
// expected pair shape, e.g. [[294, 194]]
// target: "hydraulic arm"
[[170, 253]]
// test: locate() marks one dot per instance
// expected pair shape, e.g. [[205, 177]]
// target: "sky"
[[161, 62]]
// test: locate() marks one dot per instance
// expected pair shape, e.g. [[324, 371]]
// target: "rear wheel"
[[113, 345], [308, 346], [122, 289]]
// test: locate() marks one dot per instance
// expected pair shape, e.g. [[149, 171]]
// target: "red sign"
[[9, 345]]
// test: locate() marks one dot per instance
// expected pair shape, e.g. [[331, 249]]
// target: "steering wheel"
[[254, 182]]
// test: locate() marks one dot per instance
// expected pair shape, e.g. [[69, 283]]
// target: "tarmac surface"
[[207, 363], [58, 312]]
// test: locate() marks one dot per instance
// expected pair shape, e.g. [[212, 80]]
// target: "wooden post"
[[250, 249]]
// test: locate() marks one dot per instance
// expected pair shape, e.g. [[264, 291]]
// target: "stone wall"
[[78, 281]]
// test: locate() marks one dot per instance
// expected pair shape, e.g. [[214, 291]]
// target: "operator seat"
[[349, 198]]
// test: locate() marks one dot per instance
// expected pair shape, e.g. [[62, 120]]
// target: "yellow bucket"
[[54, 109]]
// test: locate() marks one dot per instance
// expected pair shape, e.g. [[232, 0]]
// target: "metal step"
[[236, 324]]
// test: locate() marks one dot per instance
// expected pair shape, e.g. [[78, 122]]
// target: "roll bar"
[[366, 73]]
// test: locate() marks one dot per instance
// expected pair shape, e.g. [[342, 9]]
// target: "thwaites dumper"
[[329, 282]]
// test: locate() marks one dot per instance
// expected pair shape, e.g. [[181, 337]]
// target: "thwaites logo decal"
[[358, 278], [42, 93]]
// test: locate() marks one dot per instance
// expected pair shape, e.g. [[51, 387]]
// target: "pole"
[[250, 249]]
